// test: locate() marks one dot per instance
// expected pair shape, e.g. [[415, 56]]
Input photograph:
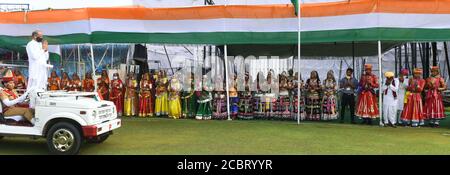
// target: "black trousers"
[[348, 100]]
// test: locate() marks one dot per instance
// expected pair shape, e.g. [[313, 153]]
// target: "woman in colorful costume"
[[284, 103], [116, 95], [220, 100], [188, 97], [145, 96], [75, 84], [65, 82], [313, 88], [54, 82], [434, 107], [329, 104], [161, 102], [103, 85], [204, 111], [88, 83], [234, 98], [258, 96], [131, 100], [174, 97], [270, 97], [246, 100]]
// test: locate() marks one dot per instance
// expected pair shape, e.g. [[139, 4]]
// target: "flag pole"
[[380, 102], [298, 56]]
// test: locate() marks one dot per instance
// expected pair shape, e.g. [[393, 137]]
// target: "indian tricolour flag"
[[54, 53], [295, 3]]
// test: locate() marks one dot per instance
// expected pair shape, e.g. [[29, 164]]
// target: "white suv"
[[65, 119]]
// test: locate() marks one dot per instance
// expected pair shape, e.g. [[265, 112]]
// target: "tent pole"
[[380, 102], [112, 57], [446, 58], [79, 60], [395, 61], [353, 57], [226, 80], [93, 68], [299, 64]]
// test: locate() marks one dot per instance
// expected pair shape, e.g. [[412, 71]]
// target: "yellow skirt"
[[175, 108], [161, 105], [129, 108]]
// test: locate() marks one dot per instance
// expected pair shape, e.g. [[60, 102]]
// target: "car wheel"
[[99, 139], [64, 139]]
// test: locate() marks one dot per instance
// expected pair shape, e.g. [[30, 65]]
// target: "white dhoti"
[[389, 113], [390, 102]]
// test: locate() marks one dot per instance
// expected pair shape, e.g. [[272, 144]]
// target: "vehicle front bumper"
[[95, 130]]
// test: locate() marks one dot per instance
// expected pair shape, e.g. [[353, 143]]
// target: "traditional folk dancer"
[[75, 84], [434, 107], [284, 99], [234, 99], [258, 96], [174, 97], [313, 97], [402, 93], [161, 102], [103, 85], [65, 82], [188, 97], [390, 99], [145, 96], [204, 111], [88, 83], [367, 106], [54, 83], [413, 113], [220, 101], [270, 97], [116, 93], [131, 100], [329, 104], [245, 97]]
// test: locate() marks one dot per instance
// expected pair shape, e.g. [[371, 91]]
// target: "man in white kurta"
[[37, 50], [403, 84], [390, 99]]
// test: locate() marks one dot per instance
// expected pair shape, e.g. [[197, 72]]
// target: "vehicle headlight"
[[114, 110]]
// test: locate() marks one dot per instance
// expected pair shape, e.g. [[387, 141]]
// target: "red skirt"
[[434, 108], [413, 110], [367, 106]]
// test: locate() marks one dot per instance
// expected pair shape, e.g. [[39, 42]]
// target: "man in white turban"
[[390, 99]]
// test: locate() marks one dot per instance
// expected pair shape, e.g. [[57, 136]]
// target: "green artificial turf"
[[184, 136]]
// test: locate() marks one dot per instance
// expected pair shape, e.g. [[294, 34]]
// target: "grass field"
[[168, 136]]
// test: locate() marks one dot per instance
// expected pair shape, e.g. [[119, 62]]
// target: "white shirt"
[[401, 92], [37, 65]]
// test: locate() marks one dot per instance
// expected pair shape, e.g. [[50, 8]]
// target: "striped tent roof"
[[348, 21]]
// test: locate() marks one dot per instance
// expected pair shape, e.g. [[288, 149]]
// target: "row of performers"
[[160, 96], [410, 101]]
